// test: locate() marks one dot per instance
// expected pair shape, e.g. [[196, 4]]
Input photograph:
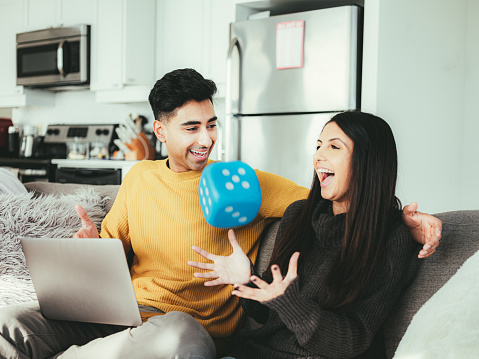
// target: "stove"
[[79, 133]]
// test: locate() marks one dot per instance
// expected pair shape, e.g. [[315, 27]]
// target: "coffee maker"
[[5, 123]]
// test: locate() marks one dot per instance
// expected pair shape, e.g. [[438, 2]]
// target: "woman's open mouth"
[[325, 176]]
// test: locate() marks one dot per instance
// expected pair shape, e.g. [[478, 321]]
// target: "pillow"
[[9, 183], [24, 215], [447, 326]]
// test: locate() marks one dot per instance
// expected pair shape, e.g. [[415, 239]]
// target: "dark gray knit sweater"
[[295, 325]]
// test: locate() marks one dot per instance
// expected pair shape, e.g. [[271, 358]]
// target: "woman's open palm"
[[266, 291], [232, 269]]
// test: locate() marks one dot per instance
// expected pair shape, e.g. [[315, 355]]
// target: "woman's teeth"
[[324, 173]]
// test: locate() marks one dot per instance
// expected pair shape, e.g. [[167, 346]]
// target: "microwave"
[[54, 57]]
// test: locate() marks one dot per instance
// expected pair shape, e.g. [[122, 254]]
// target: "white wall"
[[5, 112], [418, 86], [469, 176]]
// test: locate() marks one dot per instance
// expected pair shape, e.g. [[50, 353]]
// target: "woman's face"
[[332, 162]]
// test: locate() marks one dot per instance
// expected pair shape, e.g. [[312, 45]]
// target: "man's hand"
[[226, 270], [425, 229], [88, 228], [266, 291]]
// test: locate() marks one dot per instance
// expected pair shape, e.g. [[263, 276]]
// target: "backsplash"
[[80, 107]]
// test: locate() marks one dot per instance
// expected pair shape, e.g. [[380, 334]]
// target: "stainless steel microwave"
[[54, 57]]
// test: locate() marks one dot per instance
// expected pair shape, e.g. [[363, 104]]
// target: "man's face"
[[189, 136]]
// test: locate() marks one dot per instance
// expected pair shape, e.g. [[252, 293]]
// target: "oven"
[[96, 176], [30, 169], [97, 172]]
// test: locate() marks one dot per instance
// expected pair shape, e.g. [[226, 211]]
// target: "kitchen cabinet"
[[10, 20], [123, 50], [40, 14], [11, 95], [194, 33]]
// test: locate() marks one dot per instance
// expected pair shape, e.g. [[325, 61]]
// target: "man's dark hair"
[[177, 88]]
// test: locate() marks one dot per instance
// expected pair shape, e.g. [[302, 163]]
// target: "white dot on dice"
[[242, 219], [207, 191], [201, 191], [229, 209], [241, 171], [245, 184], [225, 172], [204, 201], [210, 202], [235, 178], [236, 214], [207, 211], [229, 186]]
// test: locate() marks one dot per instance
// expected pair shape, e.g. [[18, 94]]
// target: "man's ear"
[[159, 129]]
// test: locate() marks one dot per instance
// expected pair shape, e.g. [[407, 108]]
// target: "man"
[[157, 216]]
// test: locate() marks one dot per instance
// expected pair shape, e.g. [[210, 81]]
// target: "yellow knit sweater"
[[157, 214]]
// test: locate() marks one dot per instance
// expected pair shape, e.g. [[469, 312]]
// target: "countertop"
[[114, 164]]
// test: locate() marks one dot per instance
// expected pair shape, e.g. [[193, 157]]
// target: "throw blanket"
[[23, 215], [9, 183], [447, 326]]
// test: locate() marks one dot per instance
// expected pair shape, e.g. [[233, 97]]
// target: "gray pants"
[[26, 333]]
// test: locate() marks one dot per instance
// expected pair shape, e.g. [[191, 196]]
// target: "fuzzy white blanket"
[[447, 326], [23, 215], [9, 183]]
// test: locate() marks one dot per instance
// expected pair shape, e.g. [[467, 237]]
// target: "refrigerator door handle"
[[231, 150]]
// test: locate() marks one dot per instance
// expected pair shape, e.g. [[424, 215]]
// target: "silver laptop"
[[85, 280]]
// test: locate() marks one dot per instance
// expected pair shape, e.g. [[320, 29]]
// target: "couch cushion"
[[460, 240], [447, 325]]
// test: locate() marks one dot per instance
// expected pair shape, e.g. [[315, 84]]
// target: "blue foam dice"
[[230, 194]]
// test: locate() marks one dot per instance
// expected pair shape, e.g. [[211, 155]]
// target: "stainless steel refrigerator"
[[286, 76]]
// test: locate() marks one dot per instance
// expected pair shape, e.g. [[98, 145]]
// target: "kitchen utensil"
[[26, 149]]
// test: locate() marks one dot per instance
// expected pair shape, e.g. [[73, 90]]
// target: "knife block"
[[140, 149]]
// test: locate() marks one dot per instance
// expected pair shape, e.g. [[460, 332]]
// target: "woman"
[[356, 254]]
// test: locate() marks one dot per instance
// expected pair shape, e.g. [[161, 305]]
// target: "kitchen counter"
[[114, 164]]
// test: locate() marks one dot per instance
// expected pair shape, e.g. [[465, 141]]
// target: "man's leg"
[[175, 335], [26, 333]]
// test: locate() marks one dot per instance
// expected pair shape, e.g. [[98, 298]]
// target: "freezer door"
[[327, 82], [283, 145]]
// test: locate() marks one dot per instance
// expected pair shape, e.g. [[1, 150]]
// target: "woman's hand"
[[227, 270], [266, 291]]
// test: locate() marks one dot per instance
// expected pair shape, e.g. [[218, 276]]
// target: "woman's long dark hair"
[[373, 209]]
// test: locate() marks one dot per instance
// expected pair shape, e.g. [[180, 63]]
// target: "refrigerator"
[[286, 76]]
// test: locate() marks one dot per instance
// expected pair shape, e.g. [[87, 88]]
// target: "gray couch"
[[460, 240]]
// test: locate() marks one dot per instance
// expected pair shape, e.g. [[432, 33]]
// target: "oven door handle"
[[60, 58]]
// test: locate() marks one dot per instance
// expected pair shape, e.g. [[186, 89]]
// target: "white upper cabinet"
[[123, 54], [195, 34], [11, 95], [40, 14], [10, 20]]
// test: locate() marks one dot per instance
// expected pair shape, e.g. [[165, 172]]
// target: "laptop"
[[84, 280]]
